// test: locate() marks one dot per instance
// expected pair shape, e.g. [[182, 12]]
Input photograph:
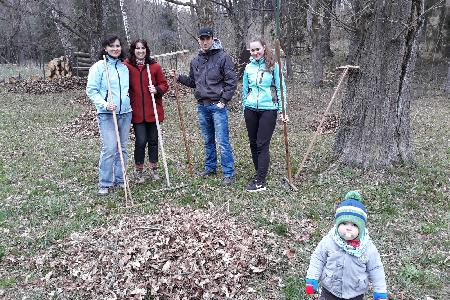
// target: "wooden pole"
[[316, 134], [158, 126], [283, 111], [182, 127]]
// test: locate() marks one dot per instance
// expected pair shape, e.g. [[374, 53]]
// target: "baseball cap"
[[205, 31]]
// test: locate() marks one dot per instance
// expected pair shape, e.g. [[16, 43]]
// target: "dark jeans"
[[260, 126], [326, 295], [146, 134]]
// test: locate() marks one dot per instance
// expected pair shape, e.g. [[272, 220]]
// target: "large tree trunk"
[[63, 33], [375, 123], [96, 15]]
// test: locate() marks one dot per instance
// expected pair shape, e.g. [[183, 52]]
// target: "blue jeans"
[[213, 122], [109, 166]]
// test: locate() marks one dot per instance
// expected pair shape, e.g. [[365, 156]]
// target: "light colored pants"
[[109, 166]]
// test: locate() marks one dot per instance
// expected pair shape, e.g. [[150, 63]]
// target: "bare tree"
[[316, 31], [375, 123], [63, 32], [326, 33]]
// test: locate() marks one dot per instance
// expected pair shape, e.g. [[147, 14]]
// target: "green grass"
[[48, 185], [25, 71]]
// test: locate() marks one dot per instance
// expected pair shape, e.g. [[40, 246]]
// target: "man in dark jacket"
[[213, 77]]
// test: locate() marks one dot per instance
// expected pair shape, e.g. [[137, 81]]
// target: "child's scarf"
[[355, 251]]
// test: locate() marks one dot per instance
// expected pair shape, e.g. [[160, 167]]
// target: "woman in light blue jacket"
[[110, 170], [261, 100]]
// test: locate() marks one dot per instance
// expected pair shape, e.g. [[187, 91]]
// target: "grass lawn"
[[48, 186]]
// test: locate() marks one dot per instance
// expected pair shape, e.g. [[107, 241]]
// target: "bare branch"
[[182, 3]]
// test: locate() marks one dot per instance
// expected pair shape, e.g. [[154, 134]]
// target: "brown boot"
[[153, 173], [139, 174]]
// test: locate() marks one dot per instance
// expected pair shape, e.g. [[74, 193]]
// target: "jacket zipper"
[[257, 84], [120, 88], [142, 93]]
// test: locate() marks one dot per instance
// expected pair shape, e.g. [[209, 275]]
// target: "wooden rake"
[[160, 138], [126, 185], [319, 127], [288, 180]]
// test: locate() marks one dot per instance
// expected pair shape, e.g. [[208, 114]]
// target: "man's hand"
[[220, 105]]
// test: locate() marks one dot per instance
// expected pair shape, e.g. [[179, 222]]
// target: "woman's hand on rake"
[[110, 106], [152, 89], [284, 118]]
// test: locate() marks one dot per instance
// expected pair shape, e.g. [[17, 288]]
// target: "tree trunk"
[[326, 49], [447, 85], [238, 13], [375, 123], [205, 13], [315, 32], [96, 15], [63, 33]]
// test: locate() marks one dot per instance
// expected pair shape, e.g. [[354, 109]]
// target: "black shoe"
[[252, 179], [207, 173], [228, 180], [256, 186]]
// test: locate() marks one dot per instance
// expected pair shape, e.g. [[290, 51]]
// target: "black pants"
[[326, 295], [146, 134], [260, 126]]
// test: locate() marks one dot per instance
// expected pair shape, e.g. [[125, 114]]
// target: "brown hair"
[[268, 54], [132, 56]]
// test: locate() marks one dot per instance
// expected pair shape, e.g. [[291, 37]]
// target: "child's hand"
[[311, 286]]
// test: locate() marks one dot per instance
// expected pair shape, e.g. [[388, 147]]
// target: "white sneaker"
[[103, 191]]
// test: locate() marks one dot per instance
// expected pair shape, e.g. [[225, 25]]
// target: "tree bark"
[[96, 15], [315, 31], [326, 36], [63, 33], [375, 123]]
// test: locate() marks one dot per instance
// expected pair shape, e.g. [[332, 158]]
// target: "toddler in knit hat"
[[346, 260]]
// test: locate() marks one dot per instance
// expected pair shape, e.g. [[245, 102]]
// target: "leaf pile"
[[44, 86], [180, 253], [330, 125]]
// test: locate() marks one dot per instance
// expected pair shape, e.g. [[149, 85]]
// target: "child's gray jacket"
[[344, 275]]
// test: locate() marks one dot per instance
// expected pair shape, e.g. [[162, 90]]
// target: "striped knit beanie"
[[352, 210]]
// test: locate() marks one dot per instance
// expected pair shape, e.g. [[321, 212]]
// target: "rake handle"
[[158, 127], [182, 127]]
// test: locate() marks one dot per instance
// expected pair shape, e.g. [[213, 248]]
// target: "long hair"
[[108, 42], [132, 55], [268, 54]]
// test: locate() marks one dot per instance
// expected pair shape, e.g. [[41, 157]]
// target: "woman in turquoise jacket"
[[110, 169], [261, 100]]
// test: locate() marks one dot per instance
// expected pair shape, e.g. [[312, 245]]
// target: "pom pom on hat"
[[352, 210]]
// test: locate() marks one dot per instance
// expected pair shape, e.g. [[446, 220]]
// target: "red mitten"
[[309, 290]]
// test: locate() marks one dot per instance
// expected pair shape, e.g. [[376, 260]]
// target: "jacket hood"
[[217, 45]]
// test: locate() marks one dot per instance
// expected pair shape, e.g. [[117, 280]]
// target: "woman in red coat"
[[143, 119]]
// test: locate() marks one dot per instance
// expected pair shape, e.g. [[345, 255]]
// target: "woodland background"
[[387, 134]]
